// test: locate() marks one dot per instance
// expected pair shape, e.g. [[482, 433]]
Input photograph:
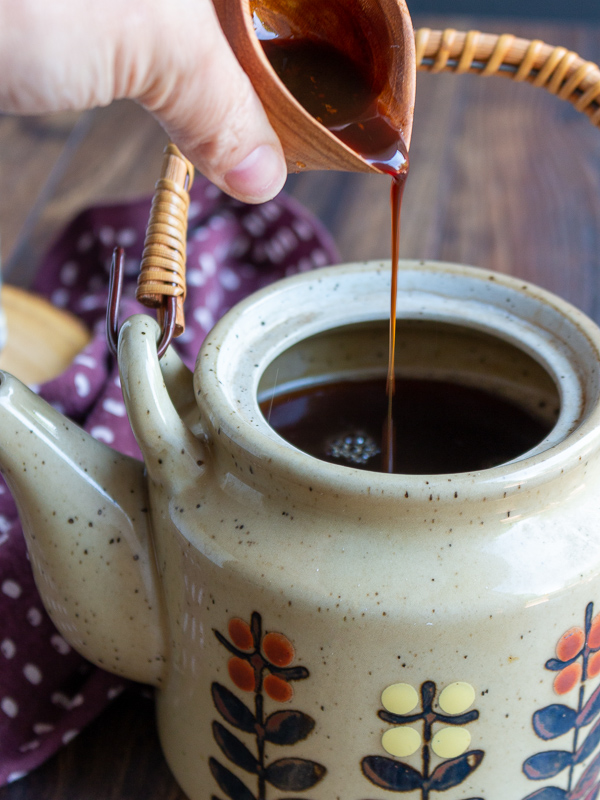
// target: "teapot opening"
[[455, 324], [466, 400]]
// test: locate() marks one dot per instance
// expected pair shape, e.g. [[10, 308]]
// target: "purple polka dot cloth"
[[47, 691]]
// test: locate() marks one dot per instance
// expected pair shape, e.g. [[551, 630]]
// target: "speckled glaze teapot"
[[312, 629]]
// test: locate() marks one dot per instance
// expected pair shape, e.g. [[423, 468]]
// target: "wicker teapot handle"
[[161, 283], [556, 69]]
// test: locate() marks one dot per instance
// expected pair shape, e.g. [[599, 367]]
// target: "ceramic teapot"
[[315, 628]]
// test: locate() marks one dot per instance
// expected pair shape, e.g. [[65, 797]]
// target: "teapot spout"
[[84, 513]]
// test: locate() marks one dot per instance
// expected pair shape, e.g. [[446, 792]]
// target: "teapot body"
[[351, 634], [287, 636]]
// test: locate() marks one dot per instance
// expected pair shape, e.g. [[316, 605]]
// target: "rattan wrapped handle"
[[556, 69], [162, 271]]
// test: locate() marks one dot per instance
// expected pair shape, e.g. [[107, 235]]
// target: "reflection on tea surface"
[[465, 400], [441, 426]]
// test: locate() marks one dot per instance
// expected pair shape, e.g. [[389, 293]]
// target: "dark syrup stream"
[[343, 96]]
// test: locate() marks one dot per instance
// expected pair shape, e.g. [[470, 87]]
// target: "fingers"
[[170, 56], [207, 104]]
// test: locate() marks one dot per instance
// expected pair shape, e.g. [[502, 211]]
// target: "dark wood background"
[[503, 176], [564, 10]]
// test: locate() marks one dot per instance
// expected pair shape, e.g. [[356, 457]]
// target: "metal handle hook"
[[115, 290]]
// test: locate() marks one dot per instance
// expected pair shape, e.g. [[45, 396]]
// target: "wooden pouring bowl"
[[379, 31]]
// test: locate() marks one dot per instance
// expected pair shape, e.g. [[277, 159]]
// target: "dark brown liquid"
[[344, 95], [389, 439], [441, 427]]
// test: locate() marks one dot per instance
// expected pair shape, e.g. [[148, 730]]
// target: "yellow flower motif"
[[425, 726], [457, 697], [451, 742], [400, 698], [401, 742]]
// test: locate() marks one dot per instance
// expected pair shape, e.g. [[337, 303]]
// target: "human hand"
[[169, 55]]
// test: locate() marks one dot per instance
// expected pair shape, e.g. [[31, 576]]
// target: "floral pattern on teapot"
[[577, 661], [449, 742], [260, 664]]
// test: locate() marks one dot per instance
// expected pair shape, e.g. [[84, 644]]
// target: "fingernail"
[[259, 176]]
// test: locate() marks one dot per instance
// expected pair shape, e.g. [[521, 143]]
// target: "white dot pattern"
[[47, 691], [32, 673], [11, 589], [59, 644], [196, 278], [34, 617], [82, 384], [32, 745], [114, 407], [126, 237], [69, 273], [9, 706], [60, 298], [103, 434], [8, 648], [40, 728]]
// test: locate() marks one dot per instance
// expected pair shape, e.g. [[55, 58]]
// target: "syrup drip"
[[345, 96]]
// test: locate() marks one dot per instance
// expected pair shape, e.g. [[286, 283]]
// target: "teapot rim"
[[559, 336]]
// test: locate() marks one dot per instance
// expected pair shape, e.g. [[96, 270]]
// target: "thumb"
[[207, 104]]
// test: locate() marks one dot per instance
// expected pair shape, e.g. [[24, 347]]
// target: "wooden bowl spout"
[[378, 33]]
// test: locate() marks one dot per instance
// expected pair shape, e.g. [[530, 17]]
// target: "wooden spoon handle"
[[560, 71]]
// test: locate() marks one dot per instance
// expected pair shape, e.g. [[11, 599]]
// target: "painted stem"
[[260, 744], [426, 758]]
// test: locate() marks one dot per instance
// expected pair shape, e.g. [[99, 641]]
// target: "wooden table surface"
[[503, 176]]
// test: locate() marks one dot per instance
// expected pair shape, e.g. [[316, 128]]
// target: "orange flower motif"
[[278, 689], [278, 649], [261, 661], [593, 668], [240, 634], [568, 678], [594, 634], [570, 644], [242, 674], [578, 654], [576, 665]]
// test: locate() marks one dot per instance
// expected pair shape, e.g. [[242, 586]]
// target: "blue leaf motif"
[[590, 709], [554, 720], [454, 771], [390, 774], [546, 765], [229, 783], [591, 743], [594, 794], [587, 781], [235, 750], [232, 709], [294, 774], [288, 727], [555, 664], [548, 793]]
